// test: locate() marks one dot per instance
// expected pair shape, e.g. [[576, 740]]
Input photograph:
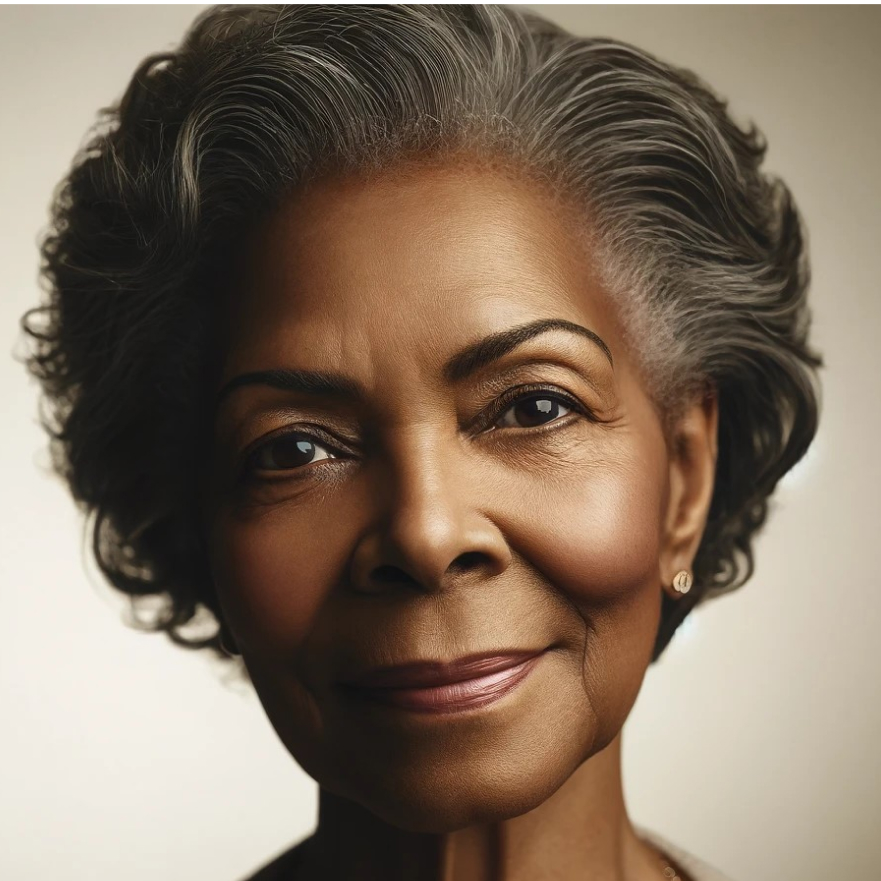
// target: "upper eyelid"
[[499, 381]]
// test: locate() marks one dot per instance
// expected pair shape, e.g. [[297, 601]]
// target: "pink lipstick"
[[445, 687]]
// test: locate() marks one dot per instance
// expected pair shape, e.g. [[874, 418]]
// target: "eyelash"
[[497, 409]]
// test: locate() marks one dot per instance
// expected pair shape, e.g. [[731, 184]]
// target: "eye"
[[533, 407], [286, 452]]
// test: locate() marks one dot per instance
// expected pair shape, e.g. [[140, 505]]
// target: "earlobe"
[[693, 453]]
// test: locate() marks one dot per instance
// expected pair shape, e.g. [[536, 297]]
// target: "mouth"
[[445, 687]]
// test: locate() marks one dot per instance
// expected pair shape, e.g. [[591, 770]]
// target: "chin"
[[426, 813], [445, 798]]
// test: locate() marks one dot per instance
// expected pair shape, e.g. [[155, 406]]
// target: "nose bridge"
[[427, 499], [429, 525]]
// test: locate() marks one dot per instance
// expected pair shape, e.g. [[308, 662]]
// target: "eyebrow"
[[462, 365]]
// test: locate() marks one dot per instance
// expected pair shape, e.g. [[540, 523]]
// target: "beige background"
[[754, 743]]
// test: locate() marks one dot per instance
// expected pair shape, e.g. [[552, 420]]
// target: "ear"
[[693, 454]]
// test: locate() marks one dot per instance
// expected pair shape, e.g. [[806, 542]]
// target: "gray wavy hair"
[[703, 253]]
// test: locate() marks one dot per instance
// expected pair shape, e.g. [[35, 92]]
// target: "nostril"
[[468, 560], [388, 574]]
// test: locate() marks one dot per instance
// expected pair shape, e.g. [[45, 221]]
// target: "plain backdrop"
[[754, 742]]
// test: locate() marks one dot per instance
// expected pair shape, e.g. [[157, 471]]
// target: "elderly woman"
[[448, 361]]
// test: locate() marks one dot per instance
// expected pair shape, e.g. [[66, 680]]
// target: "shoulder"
[[698, 869], [281, 867]]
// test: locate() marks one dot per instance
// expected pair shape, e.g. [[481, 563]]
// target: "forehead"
[[423, 259]]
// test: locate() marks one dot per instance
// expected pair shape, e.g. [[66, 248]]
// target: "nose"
[[431, 528]]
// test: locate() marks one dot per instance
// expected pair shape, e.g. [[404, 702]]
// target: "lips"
[[442, 688], [426, 674]]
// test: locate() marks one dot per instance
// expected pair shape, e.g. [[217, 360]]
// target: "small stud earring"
[[682, 581]]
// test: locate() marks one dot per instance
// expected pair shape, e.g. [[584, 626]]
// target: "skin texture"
[[424, 532]]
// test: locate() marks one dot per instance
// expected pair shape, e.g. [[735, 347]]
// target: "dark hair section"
[[703, 251]]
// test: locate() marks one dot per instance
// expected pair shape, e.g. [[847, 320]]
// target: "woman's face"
[[429, 519]]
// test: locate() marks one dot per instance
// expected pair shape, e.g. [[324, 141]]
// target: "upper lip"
[[424, 674]]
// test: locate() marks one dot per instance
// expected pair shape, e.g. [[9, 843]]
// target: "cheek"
[[274, 572], [598, 536], [595, 539]]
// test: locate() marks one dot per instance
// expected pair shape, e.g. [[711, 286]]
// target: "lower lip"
[[454, 697]]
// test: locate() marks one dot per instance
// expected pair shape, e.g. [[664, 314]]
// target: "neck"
[[581, 832]]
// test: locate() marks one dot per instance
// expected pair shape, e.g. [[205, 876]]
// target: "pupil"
[[541, 407], [290, 452]]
